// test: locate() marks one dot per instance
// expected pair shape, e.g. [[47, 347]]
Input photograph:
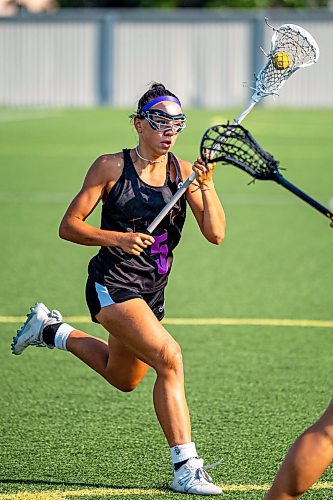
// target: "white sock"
[[182, 452], [61, 336]]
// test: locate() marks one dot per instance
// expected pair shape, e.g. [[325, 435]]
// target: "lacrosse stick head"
[[235, 145], [292, 47]]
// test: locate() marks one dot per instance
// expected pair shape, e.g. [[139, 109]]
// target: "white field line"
[[103, 492], [303, 323]]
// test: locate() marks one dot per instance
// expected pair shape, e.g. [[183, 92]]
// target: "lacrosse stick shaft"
[[281, 180], [153, 225]]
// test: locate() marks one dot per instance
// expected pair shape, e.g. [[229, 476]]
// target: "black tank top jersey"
[[131, 206]]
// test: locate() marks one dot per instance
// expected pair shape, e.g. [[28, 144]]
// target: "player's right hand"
[[134, 243]]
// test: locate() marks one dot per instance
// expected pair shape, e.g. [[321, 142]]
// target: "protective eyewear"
[[161, 121]]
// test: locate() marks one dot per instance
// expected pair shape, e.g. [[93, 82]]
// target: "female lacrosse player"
[[127, 278]]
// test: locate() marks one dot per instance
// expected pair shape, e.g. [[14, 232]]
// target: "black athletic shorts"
[[98, 296]]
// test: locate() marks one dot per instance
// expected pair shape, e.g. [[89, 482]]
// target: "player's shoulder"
[[108, 166], [109, 160]]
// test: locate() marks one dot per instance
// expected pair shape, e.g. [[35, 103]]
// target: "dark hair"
[[155, 90]]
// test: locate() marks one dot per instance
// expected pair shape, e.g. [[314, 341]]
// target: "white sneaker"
[[193, 478], [31, 332]]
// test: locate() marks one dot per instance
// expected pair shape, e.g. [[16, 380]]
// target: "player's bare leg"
[[137, 341], [113, 360], [133, 323], [305, 461]]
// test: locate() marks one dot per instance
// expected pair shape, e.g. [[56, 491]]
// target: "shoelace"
[[213, 465], [55, 314], [200, 473]]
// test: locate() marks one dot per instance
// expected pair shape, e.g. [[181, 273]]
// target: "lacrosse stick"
[[234, 144], [291, 48]]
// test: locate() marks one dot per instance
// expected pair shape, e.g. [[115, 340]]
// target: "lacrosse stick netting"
[[234, 144], [301, 49]]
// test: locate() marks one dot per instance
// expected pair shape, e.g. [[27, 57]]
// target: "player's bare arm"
[[203, 200], [100, 179]]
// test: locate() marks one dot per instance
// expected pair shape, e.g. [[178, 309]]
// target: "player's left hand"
[[203, 172]]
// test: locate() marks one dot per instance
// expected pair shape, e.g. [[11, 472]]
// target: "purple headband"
[[159, 99]]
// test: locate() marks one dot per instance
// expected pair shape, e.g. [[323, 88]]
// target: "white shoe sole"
[[192, 491]]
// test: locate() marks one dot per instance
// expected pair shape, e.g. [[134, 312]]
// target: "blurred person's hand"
[[8, 7], [37, 6]]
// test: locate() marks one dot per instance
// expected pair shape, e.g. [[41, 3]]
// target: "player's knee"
[[326, 423], [170, 359], [323, 428], [327, 432]]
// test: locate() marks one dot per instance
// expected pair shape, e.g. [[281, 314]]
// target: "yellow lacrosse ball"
[[281, 60]]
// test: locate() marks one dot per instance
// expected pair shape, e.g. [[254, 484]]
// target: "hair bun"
[[157, 85]]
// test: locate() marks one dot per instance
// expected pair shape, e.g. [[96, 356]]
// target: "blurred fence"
[[108, 57]]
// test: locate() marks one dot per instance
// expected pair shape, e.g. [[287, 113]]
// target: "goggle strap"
[[159, 112]]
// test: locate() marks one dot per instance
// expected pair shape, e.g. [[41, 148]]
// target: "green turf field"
[[251, 388]]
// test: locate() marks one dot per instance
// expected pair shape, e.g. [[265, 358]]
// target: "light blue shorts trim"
[[103, 295]]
